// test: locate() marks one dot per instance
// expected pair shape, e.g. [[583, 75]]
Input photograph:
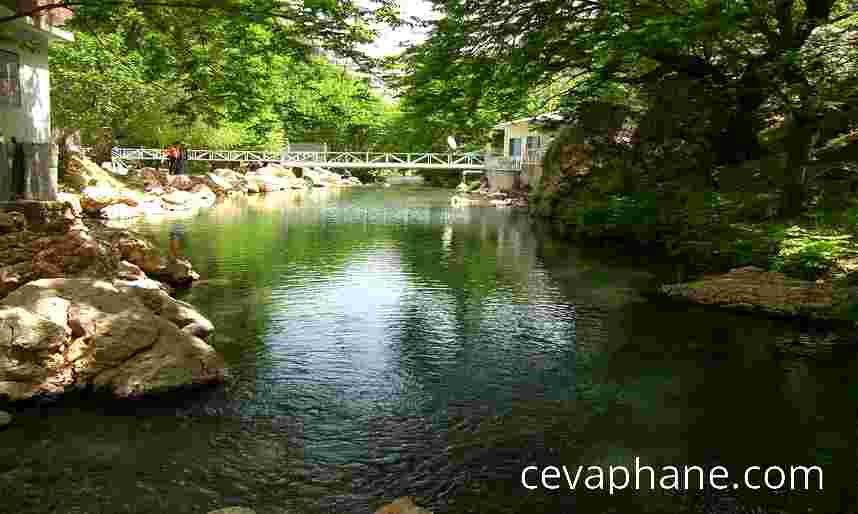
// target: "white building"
[[25, 101], [526, 139]]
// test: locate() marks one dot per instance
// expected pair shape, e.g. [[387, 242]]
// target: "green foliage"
[[230, 75], [743, 252], [636, 209], [809, 254]]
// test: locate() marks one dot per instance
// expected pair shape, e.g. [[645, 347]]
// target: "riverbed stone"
[[403, 505]]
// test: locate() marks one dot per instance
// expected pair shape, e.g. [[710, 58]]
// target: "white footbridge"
[[465, 162]]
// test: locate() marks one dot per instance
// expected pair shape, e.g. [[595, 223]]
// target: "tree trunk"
[[103, 145], [800, 138]]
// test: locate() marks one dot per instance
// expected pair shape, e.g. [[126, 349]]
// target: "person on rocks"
[[178, 240]]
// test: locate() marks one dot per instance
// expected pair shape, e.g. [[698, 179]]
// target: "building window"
[[10, 86], [515, 147], [534, 143]]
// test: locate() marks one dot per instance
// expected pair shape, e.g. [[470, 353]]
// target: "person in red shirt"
[[172, 155]]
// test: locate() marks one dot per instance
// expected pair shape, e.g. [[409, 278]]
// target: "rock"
[[14, 276], [94, 198], [178, 272], [220, 185], [71, 253], [31, 353], [129, 271], [753, 288], [177, 198], [121, 211], [266, 183], [43, 216], [140, 252], [275, 170], [73, 202], [154, 177], [233, 510], [402, 506], [5, 418], [180, 313], [203, 195], [312, 176], [12, 221], [77, 332], [181, 182]]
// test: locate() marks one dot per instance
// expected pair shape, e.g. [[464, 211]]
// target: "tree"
[[745, 58], [202, 64]]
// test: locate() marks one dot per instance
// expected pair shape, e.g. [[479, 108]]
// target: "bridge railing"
[[405, 159], [158, 154], [463, 161]]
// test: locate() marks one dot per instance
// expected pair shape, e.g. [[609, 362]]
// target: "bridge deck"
[[355, 160]]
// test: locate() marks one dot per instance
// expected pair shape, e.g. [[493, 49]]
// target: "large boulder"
[[61, 333]]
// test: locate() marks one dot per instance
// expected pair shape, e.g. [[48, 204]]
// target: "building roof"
[[539, 119], [28, 28]]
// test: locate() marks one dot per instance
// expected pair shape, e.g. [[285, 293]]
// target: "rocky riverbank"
[[754, 289], [484, 198], [150, 191], [84, 306]]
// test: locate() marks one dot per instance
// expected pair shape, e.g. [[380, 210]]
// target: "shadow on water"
[[383, 344]]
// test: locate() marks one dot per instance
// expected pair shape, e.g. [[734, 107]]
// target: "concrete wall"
[[501, 181], [30, 124]]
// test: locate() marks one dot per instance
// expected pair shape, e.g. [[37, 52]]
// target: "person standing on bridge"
[[181, 157], [172, 152]]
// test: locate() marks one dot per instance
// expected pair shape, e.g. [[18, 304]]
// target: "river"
[[383, 344]]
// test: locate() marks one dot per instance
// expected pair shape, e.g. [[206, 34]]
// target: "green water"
[[383, 344]]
